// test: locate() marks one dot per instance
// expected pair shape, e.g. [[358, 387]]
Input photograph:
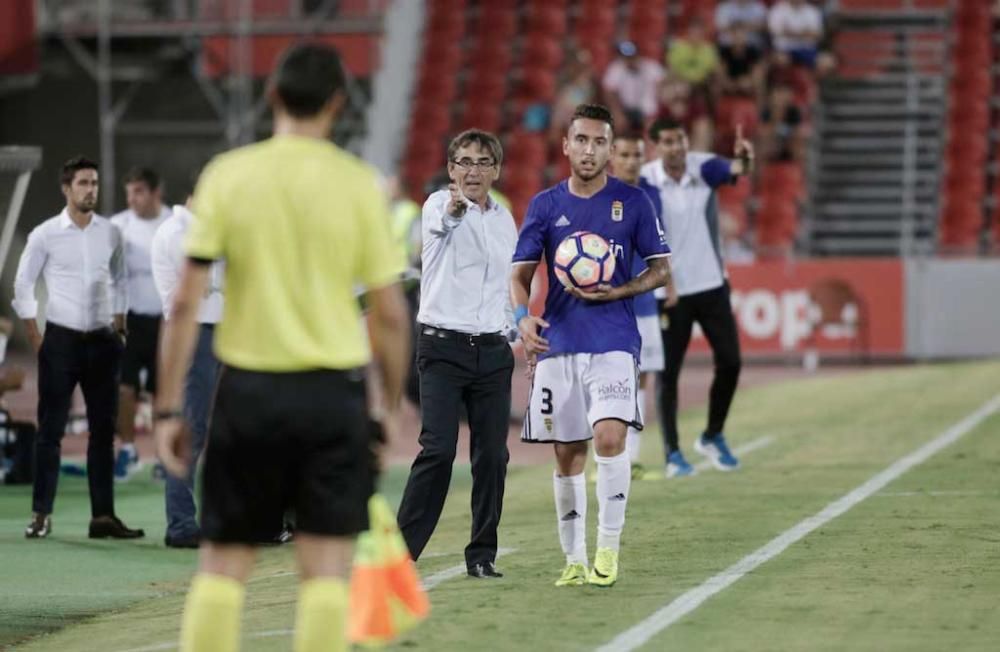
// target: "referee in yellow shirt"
[[300, 223]]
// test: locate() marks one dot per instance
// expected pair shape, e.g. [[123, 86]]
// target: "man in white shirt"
[[750, 15], [633, 85], [168, 259], [463, 353], [138, 223], [80, 255], [796, 28], [687, 182]]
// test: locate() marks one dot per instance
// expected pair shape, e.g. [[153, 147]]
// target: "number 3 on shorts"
[[546, 401]]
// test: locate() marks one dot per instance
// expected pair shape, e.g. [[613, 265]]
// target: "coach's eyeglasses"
[[467, 164]]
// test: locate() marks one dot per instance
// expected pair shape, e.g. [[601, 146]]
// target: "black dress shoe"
[[483, 570], [111, 527], [192, 541], [39, 527]]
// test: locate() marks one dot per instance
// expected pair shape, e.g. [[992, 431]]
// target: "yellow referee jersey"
[[300, 224]]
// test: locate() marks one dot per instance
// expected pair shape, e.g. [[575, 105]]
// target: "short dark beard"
[[597, 172]]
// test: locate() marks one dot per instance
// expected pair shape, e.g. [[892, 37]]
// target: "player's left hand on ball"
[[173, 445], [603, 292]]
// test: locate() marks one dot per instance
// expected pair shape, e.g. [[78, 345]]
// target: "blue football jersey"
[[621, 214], [645, 303]]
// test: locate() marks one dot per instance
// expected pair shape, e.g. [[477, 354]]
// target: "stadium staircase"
[[879, 125]]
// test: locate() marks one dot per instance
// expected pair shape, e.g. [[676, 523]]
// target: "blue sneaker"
[[126, 464], [677, 466], [716, 450]]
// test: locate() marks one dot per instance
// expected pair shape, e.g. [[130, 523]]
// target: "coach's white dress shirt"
[[83, 269], [137, 233], [465, 282], [167, 260]]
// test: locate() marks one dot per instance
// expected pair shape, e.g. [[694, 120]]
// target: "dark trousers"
[[714, 313], [455, 373], [92, 360], [199, 391]]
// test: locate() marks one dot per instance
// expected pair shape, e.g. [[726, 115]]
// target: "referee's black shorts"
[[140, 351], [295, 441]]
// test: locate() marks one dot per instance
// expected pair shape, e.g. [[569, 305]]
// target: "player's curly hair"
[[593, 112]]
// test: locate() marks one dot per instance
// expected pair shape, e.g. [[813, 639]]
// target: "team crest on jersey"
[[548, 424], [617, 211]]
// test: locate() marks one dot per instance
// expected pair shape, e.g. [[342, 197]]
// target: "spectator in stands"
[[781, 125], [742, 69], [693, 58], [581, 87], [631, 83], [679, 104], [748, 15], [796, 29]]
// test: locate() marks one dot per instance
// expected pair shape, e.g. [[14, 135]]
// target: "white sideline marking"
[[663, 618], [429, 555], [456, 570], [429, 583]]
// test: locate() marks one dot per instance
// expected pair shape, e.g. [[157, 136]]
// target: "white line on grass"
[[429, 583], [660, 620]]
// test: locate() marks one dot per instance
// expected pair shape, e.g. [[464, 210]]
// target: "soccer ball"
[[584, 260]]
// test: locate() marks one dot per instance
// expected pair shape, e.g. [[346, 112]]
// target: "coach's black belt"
[[458, 336], [101, 332]]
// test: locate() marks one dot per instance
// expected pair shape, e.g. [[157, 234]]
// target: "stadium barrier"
[[865, 309]]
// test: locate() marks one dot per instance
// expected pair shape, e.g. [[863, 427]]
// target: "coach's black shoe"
[[39, 528], [483, 570], [192, 541], [111, 527]]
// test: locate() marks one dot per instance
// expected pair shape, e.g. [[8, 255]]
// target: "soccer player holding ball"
[[586, 343]]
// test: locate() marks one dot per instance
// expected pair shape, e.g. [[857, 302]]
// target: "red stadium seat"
[[547, 19], [546, 53]]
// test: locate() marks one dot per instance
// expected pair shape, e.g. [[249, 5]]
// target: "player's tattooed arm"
[[657, 275]]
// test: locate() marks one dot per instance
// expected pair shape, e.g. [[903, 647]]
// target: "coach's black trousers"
[[456, 372], [713, 312], [92, 360]]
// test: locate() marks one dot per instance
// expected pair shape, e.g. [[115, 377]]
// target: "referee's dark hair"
[[597, 112], [484, 139], [663, 124], [74, 165], [307, 76], [147, 176]]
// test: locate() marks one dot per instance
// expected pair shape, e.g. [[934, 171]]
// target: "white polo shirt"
[[466, 267], [138, 233], [786, 18], [691, 220]]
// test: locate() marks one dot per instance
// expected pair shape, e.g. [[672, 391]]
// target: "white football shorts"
[[651, 358], [572, 392]]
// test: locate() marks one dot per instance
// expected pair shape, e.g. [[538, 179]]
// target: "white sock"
[[614, 477], [632, 441], [571, 516]]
